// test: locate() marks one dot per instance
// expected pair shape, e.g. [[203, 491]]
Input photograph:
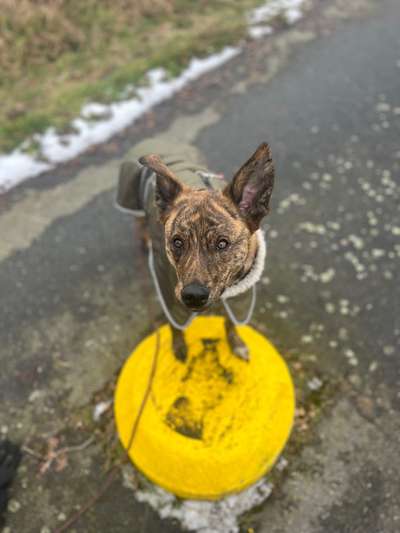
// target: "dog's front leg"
[[236, 344], [178, 344]]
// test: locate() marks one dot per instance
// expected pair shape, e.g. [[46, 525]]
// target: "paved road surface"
[[326, 95]]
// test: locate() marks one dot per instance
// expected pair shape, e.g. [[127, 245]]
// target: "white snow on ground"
[[256, 32], [17, 166], [289, 9], [54, 148], [206, 516]]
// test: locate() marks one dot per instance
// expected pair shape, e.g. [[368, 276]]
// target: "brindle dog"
[[210, 235]]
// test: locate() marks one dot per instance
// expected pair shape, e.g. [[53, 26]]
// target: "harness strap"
[[252, 305], [167, 312]]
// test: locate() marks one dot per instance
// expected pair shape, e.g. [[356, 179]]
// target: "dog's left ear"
[[168, 186], [251, 187]]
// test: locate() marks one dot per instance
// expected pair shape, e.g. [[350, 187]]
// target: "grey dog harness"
[[136, 196]]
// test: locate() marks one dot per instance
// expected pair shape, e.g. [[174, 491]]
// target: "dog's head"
[[210, 235]]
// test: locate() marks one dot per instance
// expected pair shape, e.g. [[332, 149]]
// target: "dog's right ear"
[[168, 186], [251, 187]]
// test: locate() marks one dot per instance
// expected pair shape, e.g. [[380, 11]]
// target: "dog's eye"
[[177, 242], [222, 244]]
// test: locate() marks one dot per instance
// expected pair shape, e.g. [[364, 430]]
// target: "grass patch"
[[56, 55]]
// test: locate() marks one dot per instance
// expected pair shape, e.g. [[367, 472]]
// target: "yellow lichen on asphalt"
[[212, 425]]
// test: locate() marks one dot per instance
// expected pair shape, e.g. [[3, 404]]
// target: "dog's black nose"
[[195, 295]]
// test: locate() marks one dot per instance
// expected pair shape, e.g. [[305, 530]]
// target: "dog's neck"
[[254, 266]]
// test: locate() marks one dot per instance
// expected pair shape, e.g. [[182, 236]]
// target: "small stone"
[[357, 242], [314, 384], [366, 406], [396, 230], [355, 380], [388, 350], [13, 506], [35, 395], [282, 463], [330, 307], [383, 107], [282, 299], [327, 276], [373, 366], [377, 253]]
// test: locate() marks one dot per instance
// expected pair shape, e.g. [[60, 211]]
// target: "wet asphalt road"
[[326, 95]]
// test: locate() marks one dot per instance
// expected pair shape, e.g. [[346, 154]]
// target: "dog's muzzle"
[[195, 295]]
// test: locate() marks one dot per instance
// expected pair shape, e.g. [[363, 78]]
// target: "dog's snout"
[[195, 295]]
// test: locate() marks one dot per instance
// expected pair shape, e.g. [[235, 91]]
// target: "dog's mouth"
[[197, 309]]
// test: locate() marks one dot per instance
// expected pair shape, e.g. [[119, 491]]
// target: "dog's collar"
[[254, 273]]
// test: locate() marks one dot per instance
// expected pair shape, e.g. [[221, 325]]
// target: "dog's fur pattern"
[[201, 219]]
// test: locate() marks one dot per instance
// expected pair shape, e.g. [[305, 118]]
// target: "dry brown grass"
[[55, 55], [33, 32]]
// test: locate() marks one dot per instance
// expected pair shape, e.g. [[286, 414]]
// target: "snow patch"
[[55, 148], [206, 516], [17, 166], [98, 122], [256, 32], [259, 18]]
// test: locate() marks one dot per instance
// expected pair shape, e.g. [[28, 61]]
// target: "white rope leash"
[[160, 296], [252, 305]]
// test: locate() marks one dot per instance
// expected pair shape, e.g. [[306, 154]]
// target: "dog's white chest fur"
[[255, 272]]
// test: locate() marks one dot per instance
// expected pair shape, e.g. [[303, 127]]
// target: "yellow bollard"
[[212, 425]]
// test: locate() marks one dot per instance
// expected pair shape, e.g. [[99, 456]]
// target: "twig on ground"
[[53, 454]]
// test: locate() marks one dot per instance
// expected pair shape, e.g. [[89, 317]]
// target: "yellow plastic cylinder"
[[212, 425]]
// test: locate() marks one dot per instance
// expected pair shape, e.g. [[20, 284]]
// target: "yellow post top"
[[212, 425]]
